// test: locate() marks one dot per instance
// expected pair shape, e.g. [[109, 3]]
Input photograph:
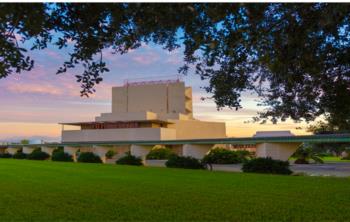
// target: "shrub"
[[5, 155], [110, 154], [266, 165], [129, 160], [61, 156], [159, 154], [19, 155], [37, 154], [89, 157], [245, 154], [176, 161], [305, 153], [58, 149], [224, 156]]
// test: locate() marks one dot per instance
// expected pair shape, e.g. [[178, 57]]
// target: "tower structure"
[[147, 110]]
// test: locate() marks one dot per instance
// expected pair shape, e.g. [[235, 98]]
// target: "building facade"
[[146, 111]]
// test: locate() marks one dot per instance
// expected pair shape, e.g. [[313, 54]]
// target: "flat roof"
[[326, 138], [129, 121]]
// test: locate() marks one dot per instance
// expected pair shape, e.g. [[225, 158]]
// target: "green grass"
[[51, 191], [326, 159], [333, 159]]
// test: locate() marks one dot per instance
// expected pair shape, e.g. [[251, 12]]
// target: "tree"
[[327, 127], [295, 57], [24, 141], [305, 153]]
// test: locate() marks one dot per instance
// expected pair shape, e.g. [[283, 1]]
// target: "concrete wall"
[[176, 98], [195, 129], [195, 150], [277, 151], [12, 150], [189, 103], [119, 99], [28, 150], [158, 98], [48, 150], [71, 150], [101, 152], [124, 116], [118, 134], [140, 151]]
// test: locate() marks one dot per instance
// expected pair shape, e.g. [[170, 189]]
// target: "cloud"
[[146, 58], [34, 88], [53, 54]]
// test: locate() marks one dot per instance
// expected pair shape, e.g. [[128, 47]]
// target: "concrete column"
[[197, 151], [28, 150], [12, 150], [101, 152], [277, 151], [71, 150], [48, 149], [140, 151]]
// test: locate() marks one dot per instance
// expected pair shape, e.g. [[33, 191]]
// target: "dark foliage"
[[266, 165], [5, 155], [129, 160], [301, 161], [19, 155], [110, 154], [89, 157], [224, 156], [37, 154], [296, 57], [61, 156], [305, 153], [185, 162], [159, 154]]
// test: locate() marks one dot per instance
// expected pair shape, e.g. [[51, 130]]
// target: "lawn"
[[333, 159], [51, 191]]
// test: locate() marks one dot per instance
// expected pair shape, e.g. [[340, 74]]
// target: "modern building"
[[152, 113], [160, 110]]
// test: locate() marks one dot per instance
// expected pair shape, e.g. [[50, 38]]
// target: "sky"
[[34, 102]]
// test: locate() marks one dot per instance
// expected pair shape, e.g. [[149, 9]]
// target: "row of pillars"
[[279, 151]]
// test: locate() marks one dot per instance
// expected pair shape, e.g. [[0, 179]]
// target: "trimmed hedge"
[[61, 156], [129, 160], [37, 154], [19, 155], [224, 156], [185, 162], [159, 154], [5, 155], [89, 157], [266, 165]]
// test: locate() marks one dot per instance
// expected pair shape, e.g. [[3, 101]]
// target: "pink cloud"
[[34, 88], [146, 58], [53, 54]]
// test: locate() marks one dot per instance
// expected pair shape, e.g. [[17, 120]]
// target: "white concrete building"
[[146, 111], [146, 114]]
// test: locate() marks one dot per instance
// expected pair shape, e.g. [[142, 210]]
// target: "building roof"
[[326, 138], [129, 121]]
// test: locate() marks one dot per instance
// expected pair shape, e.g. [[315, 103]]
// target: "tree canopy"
[[295, 57]]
